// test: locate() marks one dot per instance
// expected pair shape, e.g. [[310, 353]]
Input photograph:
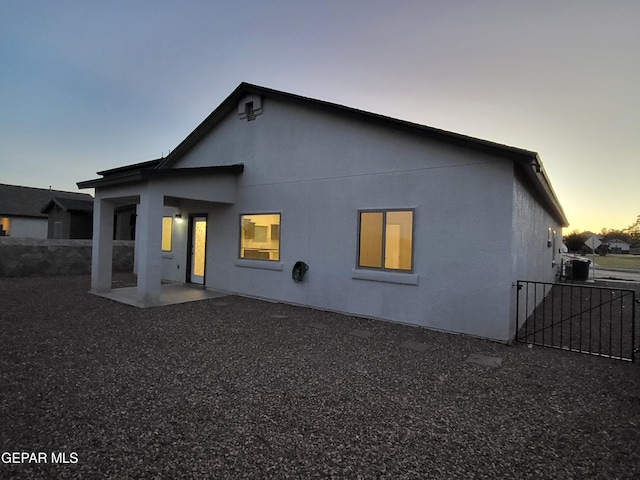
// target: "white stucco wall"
[[318, 170], [535, 253], [476, 228], [28, 227], [536, 247]]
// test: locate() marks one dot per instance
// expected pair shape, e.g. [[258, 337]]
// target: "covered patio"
[[155, 192], [170, 294]]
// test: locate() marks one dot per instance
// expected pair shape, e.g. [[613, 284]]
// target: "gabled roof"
[[231, 102], [69, 205], [527, 162], [19, 201], [617, 240]]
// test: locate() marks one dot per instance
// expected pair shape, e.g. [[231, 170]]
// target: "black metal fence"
[[578, 318]]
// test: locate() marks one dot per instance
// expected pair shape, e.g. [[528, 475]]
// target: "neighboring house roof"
[[19, 201], [594, 241], [617, 241], [69, 205], [526, 161]]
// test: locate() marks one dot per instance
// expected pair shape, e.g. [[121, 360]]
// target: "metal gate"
[[578, 318]]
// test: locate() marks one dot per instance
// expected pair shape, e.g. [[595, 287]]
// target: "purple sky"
[[88, 85]]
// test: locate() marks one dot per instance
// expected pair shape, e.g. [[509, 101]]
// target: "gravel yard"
[[239, 388]]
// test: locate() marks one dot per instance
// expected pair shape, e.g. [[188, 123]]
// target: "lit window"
[[167, 227], [260, 236], [4, 227], [386, 240]]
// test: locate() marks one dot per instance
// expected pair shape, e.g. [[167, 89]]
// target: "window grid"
[[374, 253]]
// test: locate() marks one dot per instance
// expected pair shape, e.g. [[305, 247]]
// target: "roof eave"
[[106, 182], [182, 172], [147, 174], [49, 204], [535, 173], [133, 166]]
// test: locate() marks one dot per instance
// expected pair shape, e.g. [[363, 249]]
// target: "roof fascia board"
[[227, 105], [432, 132], [183, 172], [107, 181], [13, 215], [542, 187], [125, 168], [147, 174]]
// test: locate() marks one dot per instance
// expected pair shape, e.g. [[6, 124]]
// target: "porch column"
[[149, 243], [102, 246], [135, 243]]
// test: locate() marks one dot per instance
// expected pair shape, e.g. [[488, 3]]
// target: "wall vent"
[[249, 107]]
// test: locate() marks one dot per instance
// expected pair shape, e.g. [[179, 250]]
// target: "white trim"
[[385, 276], [261, 264]]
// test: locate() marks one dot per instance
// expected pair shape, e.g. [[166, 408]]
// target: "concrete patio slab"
[[485, 360], [170, 294]]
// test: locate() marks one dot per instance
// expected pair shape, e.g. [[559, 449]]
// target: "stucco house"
[[614, 245], [618, 246], [70, 218], [21, 209], [395, 220]]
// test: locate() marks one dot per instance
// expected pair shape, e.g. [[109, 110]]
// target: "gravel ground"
[[239, 388]]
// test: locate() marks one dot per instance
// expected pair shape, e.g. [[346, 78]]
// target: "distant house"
[[618, 246], [596, 243], [395, 220], [69, 217], [124, 226], [21, 209]]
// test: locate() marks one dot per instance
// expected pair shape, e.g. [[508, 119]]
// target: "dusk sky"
[[91, 85]]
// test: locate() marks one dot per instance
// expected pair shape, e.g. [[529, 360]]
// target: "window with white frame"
[[260, 236], [167, 230], [385, 240]]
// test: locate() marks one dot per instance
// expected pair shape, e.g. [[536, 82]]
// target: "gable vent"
[[248, 111], [249, 107]]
